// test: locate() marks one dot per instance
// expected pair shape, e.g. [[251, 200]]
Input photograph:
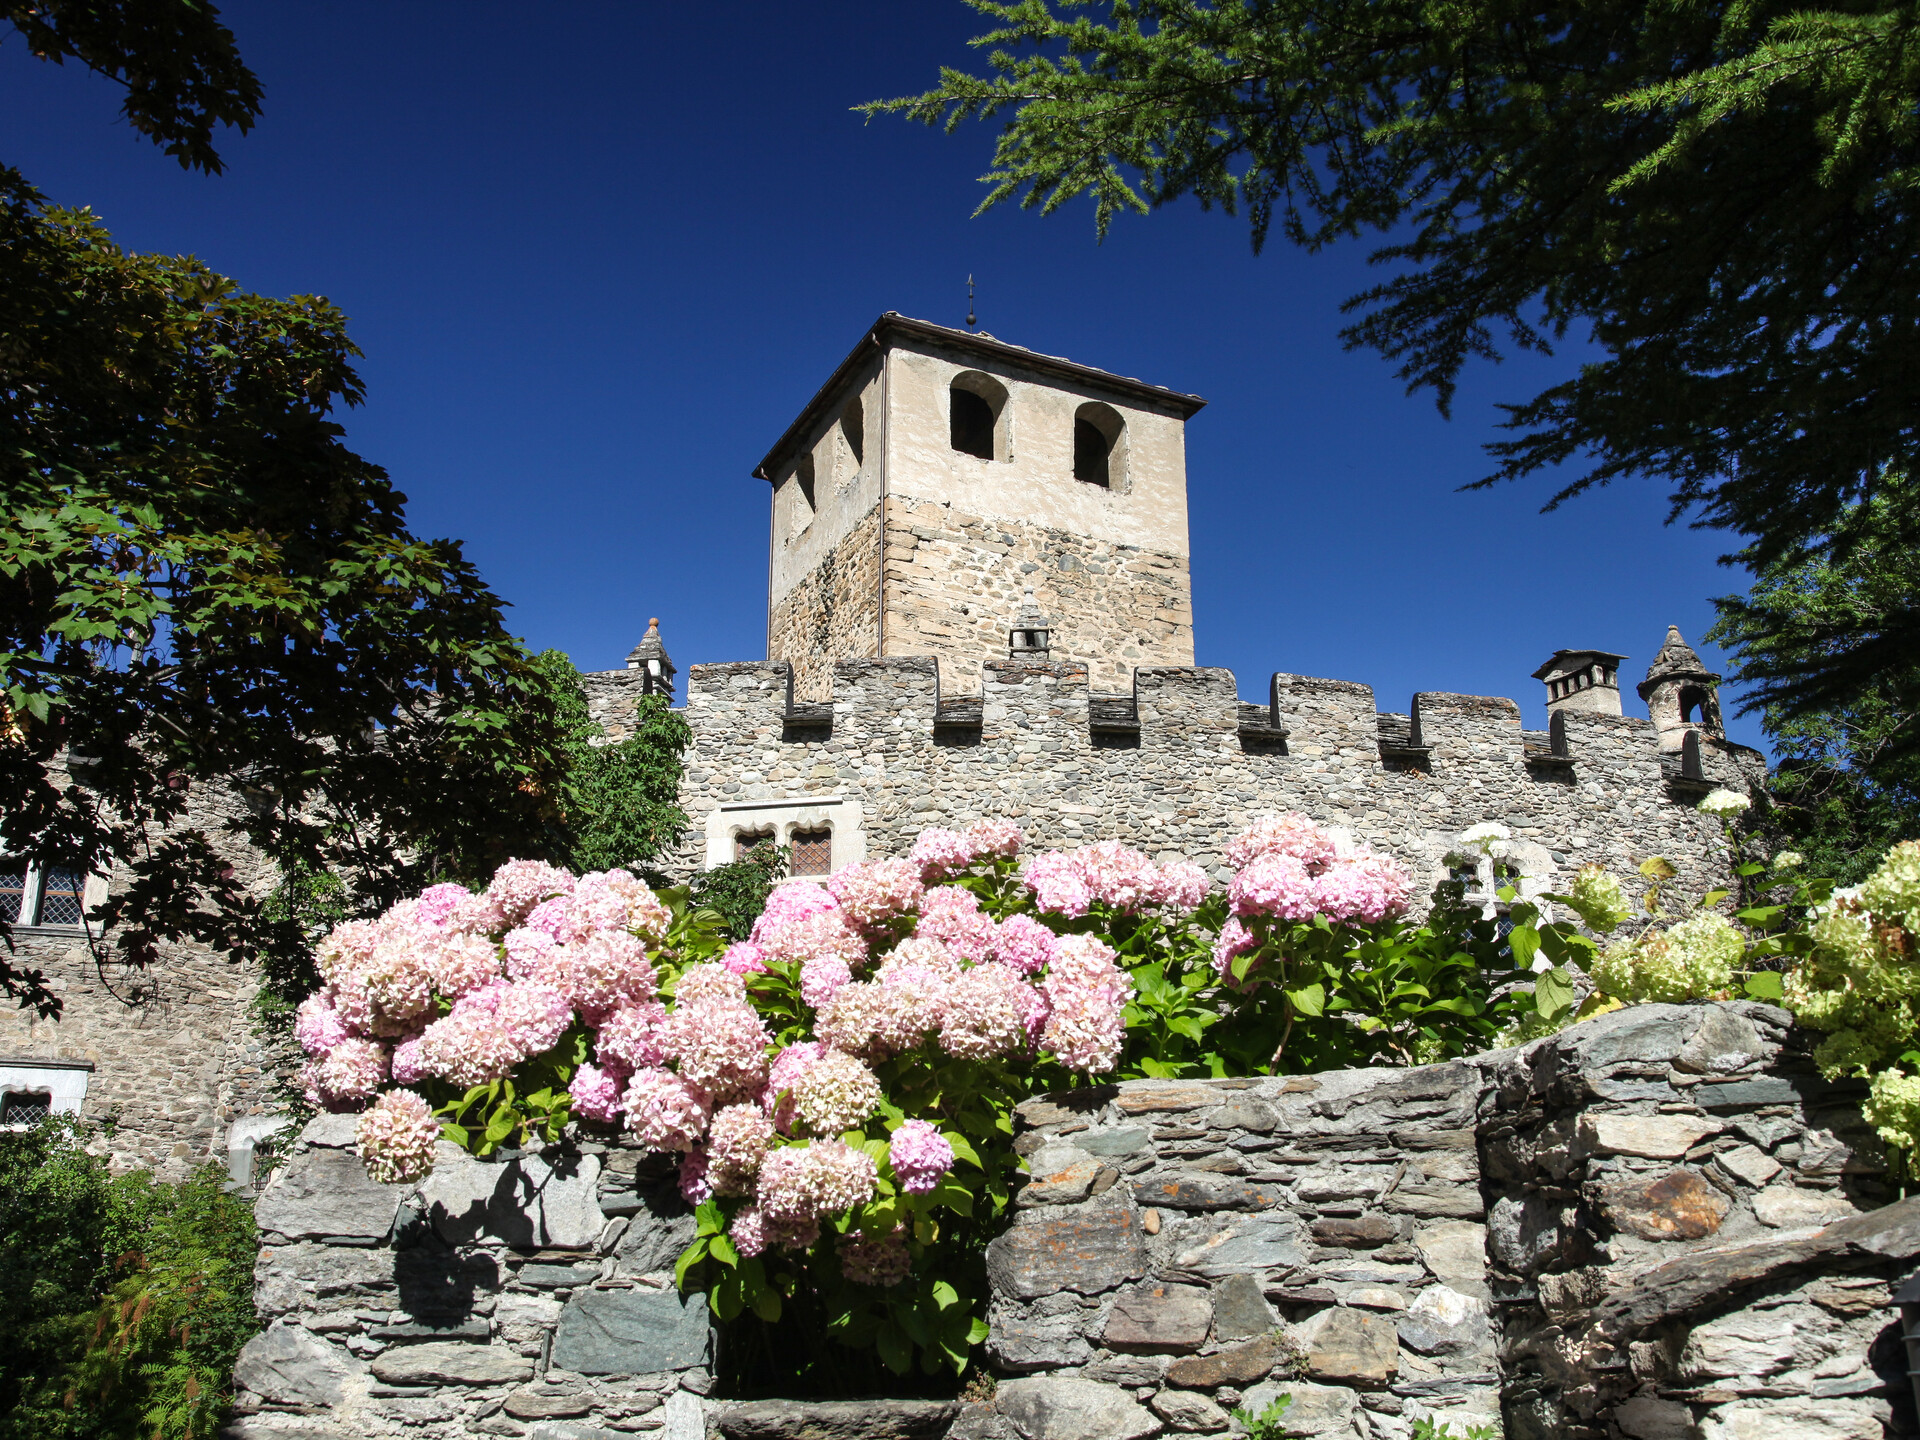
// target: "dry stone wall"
[[831, 611], [1658, 1225]]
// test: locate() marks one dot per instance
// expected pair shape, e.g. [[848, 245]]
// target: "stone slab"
[[451, 1363], [1312, 1410], [1159, 1319], [1240, 1309], [1266, 1242], [631, 1332], [1346, 1347], [327, 1192], [1649, 1137], [1087, 1248], [285, 1364], [1680, 1205], [838, 1419], [1061, 1408]]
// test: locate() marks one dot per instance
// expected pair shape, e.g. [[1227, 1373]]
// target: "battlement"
[[1177, 764]]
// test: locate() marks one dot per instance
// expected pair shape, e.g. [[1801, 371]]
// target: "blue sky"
[[598, 255]]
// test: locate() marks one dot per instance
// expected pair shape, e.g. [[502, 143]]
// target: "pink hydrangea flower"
[[665, 1111], [477, 915], [317, 1026], [397, 978], [1118, 875], [695, 1186], [630, 1037], [1182, 886], [984, 1016], [519, 885], [835, 1094], [825, 935], [748, 1231], [941, 854], [793, 900], [396, 1137], [920, 1155], [528, 951], [1366, 887], [791, 1234], [737, 1141], [347, 1075], [458, 963], [1289, 834], [647, 918], [745, 958], [954, 918], [783, 1076], [815, 1181], [438, 903], [1235, 939], [554, 919], [876, 892], [880, 1260], [409, 1063], [1000, 838], [1057, 884], [534, 1016], [600, 972], [821, 979], [346, 950], [598, 1095], [715, 1038], [469, 1046], [1024, 943], [1088, 994], [1277, 884]]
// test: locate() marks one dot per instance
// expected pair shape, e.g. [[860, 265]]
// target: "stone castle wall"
[[175, 1058], [955, 582], [1654, 1226], [1197, 765]]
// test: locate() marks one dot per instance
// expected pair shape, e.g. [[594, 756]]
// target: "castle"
[[979, 603]]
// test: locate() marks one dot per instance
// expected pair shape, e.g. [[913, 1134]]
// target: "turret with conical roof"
[[1681, 693]]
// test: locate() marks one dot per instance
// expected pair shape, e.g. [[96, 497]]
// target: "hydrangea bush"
[[835, 1089]]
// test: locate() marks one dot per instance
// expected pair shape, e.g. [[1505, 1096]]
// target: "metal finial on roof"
[[971, 322]]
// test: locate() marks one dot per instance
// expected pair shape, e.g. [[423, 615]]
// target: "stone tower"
[[939, 475], [1681, 694]]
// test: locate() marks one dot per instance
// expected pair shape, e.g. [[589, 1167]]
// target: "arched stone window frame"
[[998, 400], [843, 817], [1110, 426]]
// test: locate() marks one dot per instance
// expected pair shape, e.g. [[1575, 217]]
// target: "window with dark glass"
[[13, 890], [812, 852], [745, 845], [25, 1107], [33, 894], [62, 895], [1090, 450]]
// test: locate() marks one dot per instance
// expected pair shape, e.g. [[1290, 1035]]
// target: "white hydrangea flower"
[[1789, 860], [1724, 802], [1489, 837]]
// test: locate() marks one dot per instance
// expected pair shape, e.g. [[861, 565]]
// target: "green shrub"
[[124, 1300]]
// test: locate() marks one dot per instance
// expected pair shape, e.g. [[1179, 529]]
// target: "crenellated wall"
[[1181, 764]]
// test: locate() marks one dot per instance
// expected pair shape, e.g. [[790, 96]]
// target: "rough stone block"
[[1193, 1414], [1245, 1113], [327, 1192], [1240, 1309], [1346, 1347], [1680, 1205], [1265, 1242], [661, 1228], [1725, 1041], [451, 1363], [1061, 1408], [1203, 1190], [1650, 1137], [1312, 1410], [1456, 1252], [1786, 1207], [286, 1365], [1089, 1248], [1159, 1319], [1797, 1419], [536, 1405], [1059, 1173], [570, 1214], [1118, 1140], [1442, 1321], [1647, 1417], [631, 1332], [838, 1419], [468, 1200], [1748, 1164], [1235, 1365], [1038, 1342], [1360, 1232], [1149, 1097]]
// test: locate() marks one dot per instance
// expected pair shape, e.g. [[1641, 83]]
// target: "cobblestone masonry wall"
[[1192, 776], [175, 1058], [955, 583], [1650, 1226], [833, 612]]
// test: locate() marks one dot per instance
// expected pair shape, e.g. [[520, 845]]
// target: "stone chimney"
[[1682, 695], [1031, 635], [1583, 680], [649, 657]]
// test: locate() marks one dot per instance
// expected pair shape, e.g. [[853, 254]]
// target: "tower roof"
[[1564, 660], [893, 327], [1676, 658]]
